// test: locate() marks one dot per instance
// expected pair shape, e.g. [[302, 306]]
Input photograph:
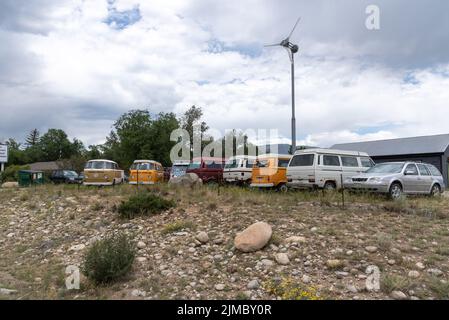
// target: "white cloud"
[[80, 74]]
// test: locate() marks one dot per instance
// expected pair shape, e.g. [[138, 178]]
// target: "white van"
[[239, 169], [325, 168]]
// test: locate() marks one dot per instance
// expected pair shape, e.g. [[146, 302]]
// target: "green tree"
[[55, 145], [33, 138], [192, 118]]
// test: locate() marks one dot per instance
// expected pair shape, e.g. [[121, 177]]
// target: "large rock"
[[253, 238], [10, 185], [187, 180]]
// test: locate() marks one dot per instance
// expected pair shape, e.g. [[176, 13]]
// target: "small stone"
[[395, 251], [219, 287], [77, 247], [141, 259], [295, 239], [306, 279], [413, 274], [420, 265], [349, 252], [351, 288], [371, 249], [253, 285], [334, 263], [435, 272], [267, 262], [191, 250], [141, 245], [282, 258], [202, 237], [314, 229], [138, 293], [7, 292], [398, 295]]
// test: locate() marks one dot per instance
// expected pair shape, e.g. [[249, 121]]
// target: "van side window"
[[303, 160], [366, 162], [250, 163], [331, 161], [349, 162], [283, 163], [108, 165]]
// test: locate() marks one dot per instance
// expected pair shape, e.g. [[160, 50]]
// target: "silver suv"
[[398, 178]]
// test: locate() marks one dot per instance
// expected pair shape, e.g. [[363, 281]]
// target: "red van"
[[208, 169]]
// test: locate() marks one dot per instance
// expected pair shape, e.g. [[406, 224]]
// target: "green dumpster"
[[30, 177]]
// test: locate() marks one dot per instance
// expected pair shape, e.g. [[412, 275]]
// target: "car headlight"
[[348, 180], [375, 180]]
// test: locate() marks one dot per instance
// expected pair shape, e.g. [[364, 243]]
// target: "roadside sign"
[[3, 153]]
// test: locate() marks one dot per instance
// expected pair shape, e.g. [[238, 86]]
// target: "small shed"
[[30, 177], [431, 149]]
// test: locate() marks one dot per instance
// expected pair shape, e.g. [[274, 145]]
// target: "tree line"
[[137, 134]]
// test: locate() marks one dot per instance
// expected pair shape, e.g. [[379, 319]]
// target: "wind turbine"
[[292, 49]]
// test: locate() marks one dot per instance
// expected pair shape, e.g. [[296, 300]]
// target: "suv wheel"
[[436, 190], [395, 191]]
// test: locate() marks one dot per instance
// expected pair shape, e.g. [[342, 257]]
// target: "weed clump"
[[109, 259], [144, 204]]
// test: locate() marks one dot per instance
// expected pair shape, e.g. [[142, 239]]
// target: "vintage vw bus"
[[208, 169], [102, 173], [146, 172], [270, 171], [239, 169]]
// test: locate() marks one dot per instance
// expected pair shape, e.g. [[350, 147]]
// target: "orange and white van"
[[102, 173], [146, 172], [270, 170]]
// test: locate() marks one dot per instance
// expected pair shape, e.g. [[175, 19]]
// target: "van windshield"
[[262, 163], [95, 165], [386, 168], [231, 164]]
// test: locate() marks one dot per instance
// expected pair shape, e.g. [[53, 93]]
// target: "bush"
[[144, 204], [109, 259], [11, 173]]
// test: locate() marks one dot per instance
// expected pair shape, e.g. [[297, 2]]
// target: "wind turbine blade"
[[293, 30], [272, 45]]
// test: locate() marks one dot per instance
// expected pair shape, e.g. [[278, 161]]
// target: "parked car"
[[65, 176], [102, 173], [239, 170], [209, 169], [324, 168], [398, 178], [179, 168], [146, 172], [270, 171]]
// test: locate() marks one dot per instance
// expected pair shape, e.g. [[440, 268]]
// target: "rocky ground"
[[326, 250]]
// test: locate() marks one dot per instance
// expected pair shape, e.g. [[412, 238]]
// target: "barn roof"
[[414, 145]]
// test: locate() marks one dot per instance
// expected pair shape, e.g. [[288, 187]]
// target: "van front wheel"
[[283, 188], [329, 186]]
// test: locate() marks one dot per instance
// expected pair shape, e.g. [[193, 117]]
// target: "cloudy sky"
[[79, 64]]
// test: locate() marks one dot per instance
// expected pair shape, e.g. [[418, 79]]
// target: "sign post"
[[3, 156]]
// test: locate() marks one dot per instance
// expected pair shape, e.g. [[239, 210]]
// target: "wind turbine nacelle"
[[294, 48]]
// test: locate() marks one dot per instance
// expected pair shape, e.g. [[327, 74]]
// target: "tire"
[[283, 188], [395, 191], [435, 191], [329, 186]]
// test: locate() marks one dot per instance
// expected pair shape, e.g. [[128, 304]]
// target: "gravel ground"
[[325, 250]]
